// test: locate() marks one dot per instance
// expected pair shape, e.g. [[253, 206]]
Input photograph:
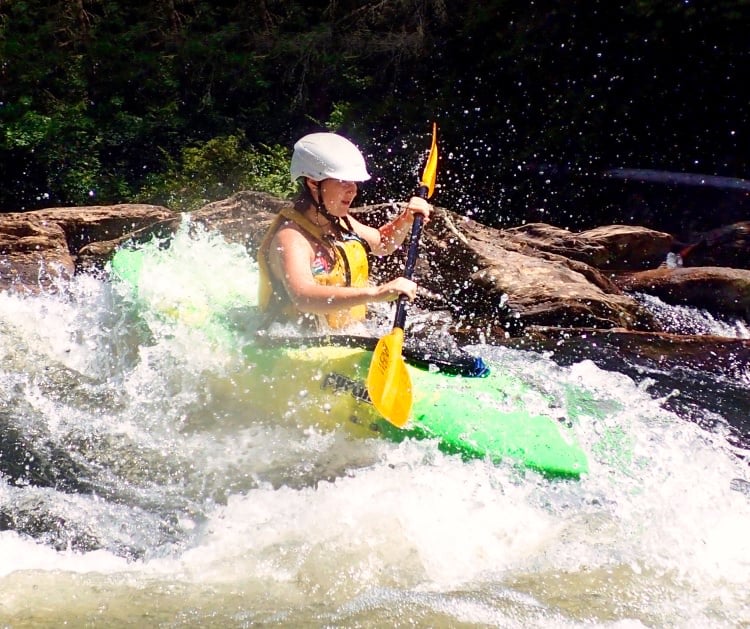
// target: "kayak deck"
[[475, 417]]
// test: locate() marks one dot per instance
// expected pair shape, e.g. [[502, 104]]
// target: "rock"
[[703, 353], [242, 218], [506, 278], [606, 247], [688, 373], [716, 289], [41, 248], [536, 274], [97, 223], [34, 253]]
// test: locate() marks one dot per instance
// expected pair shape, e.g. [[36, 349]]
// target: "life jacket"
[[350, 268]]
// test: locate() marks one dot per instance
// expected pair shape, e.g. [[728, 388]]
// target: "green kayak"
[[468, 408]]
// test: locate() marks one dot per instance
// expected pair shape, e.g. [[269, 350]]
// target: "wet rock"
[[536, 274], [101, 223], [26, 462], [607, 247], [34, 253], [84, 523], [243, 218], [703, 353], [44, 247], [716, 289], [506, 278]]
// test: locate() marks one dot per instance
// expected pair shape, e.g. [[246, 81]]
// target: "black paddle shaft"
[[411, 261]]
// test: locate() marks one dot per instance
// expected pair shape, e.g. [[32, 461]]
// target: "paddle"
[[388, 381]]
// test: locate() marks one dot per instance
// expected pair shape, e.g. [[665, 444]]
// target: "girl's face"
[[337, 195]]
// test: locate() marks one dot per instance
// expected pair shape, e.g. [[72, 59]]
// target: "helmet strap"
[[320, 205]]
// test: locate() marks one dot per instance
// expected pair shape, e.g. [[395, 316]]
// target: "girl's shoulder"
[[289, 233]]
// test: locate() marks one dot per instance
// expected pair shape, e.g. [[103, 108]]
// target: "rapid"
[[140, 488]]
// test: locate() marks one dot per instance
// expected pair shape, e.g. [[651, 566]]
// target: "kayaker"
[[313, 261]]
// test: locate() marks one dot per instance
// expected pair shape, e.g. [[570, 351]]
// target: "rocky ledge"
[[535, 286]]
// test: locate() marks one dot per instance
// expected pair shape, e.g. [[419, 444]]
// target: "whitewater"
[[141, 488]]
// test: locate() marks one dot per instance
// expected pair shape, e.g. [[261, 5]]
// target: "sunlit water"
[[150, 494]]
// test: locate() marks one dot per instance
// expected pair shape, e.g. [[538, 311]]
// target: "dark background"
[[535, 102]]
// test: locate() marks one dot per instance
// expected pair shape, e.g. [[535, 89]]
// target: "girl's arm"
[[389, 237]]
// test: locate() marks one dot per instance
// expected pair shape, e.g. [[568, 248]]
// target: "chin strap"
[[320, 206], [317, 201]]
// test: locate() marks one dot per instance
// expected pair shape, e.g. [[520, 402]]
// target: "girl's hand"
[[418, 205], [391, 291]]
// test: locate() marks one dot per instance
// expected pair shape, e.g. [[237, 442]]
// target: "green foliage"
[[29, 131], [216, 169], [188, 100], [339, 116]]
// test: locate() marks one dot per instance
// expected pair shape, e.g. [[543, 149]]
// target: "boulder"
[[242, 218], [43, 247], [487, 278], [716, 289], [34, 253], [542, 287], [606, 247]]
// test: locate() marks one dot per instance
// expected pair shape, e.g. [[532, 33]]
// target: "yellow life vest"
[[350, 268]]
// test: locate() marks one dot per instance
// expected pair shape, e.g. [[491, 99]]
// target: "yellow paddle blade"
[[388, 380], [430, 170]]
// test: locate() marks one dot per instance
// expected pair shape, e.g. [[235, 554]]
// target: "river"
[[142, 490]]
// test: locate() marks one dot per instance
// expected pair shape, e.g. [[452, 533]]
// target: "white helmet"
[[327, 156]]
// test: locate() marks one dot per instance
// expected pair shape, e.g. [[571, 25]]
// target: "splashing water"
[[141, 486], [685, 320]]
